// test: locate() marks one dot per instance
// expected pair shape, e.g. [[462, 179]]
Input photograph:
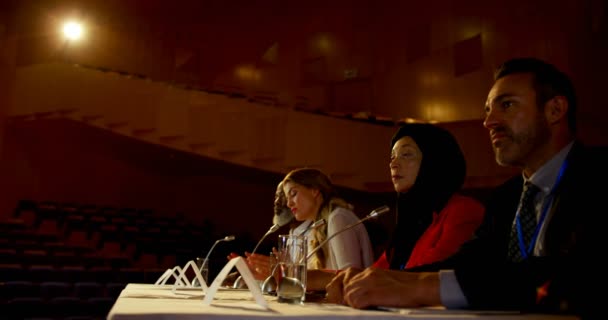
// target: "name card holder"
[[243, 269], [181, 277], [168, 274]]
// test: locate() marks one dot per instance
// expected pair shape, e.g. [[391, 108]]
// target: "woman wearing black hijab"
[[427, 170]]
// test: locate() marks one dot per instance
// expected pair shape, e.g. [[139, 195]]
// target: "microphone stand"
[[272, 229], [238, 283], [277, 224], [205, 261], [375, 213]]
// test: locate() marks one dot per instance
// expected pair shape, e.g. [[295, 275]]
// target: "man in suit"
[[536, 254]]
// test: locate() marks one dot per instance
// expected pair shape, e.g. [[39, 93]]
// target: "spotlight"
[[72, 30]]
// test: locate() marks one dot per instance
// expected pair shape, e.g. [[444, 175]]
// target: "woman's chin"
[[299, 217], [401, 188]]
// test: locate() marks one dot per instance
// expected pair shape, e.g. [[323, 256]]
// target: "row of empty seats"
[[62, 260], [105, 232]]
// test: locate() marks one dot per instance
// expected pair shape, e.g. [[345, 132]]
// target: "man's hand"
[[335, 287], [391, 288]]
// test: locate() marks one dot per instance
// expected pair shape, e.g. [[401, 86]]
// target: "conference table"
[[151, 301]]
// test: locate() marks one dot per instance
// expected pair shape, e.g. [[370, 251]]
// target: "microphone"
[[226, 238], [272, 229], [283, 217], [279, 220], [375, 213]]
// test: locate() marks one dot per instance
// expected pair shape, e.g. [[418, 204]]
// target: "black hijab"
[[441, 174]]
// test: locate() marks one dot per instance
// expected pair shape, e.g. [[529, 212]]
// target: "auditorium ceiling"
[[426, 60]]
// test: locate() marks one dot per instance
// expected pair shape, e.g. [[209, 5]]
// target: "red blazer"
[[454, 225]]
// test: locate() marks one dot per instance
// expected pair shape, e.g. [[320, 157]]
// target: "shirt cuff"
[[451, 294]]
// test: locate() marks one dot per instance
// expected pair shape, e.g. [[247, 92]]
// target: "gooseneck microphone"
[[226, 238], [272, 229], [375, 213], [279, 220], [282, 218]]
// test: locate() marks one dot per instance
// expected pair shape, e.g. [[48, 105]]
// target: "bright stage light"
[[72, 30]]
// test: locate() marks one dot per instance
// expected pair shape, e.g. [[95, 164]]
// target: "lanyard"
[[546, 204]]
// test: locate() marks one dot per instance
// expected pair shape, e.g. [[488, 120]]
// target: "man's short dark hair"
[[548, 82]]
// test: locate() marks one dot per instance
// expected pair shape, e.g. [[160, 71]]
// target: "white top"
[[351, 248]]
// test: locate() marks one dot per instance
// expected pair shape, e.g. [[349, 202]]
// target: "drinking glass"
[[291, 286]]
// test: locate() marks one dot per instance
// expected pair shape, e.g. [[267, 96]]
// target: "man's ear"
[[556, 109]]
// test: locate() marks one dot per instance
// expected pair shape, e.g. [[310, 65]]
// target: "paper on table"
[[442, 310], [243, 269], [161, 292]]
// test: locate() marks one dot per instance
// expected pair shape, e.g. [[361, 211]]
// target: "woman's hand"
[[232, 255], [259, 265]]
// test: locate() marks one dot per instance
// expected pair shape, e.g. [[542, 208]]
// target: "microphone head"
[[318, 223], [283, 217], [378, 211], [274, 228], [228, 238]]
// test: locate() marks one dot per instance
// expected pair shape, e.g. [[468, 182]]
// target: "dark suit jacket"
[[574, 241]]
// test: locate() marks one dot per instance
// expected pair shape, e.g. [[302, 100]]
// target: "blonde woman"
[[311, 196]]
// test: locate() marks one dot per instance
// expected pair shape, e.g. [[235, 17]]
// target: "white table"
[[147, 301]]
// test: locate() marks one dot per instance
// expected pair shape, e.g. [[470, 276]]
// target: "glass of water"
[[292, 268]]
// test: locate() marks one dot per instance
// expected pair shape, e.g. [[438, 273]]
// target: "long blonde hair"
[[315, 179]]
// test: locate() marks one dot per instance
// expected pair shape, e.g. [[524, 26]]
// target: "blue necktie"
[[527, 220]]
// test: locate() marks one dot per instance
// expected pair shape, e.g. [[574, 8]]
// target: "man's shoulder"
[[598, 154], [589, 160], [584, 152]]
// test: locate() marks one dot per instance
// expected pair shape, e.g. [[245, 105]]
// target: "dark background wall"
[[66, 161]]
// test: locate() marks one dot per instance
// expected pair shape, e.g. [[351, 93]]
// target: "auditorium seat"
[[71, 273], [52, 289], [63, 307], [12, 272], [36, 257], [101, 274], [86, 290], [18, 289], [113, 289], [12, 225], [131, 275], [147, 260], [48, 210], [42, 273], [26, 307], [9, 256], [100, 306]]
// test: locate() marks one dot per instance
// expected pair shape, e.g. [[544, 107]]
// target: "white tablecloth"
[[147, 301]]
